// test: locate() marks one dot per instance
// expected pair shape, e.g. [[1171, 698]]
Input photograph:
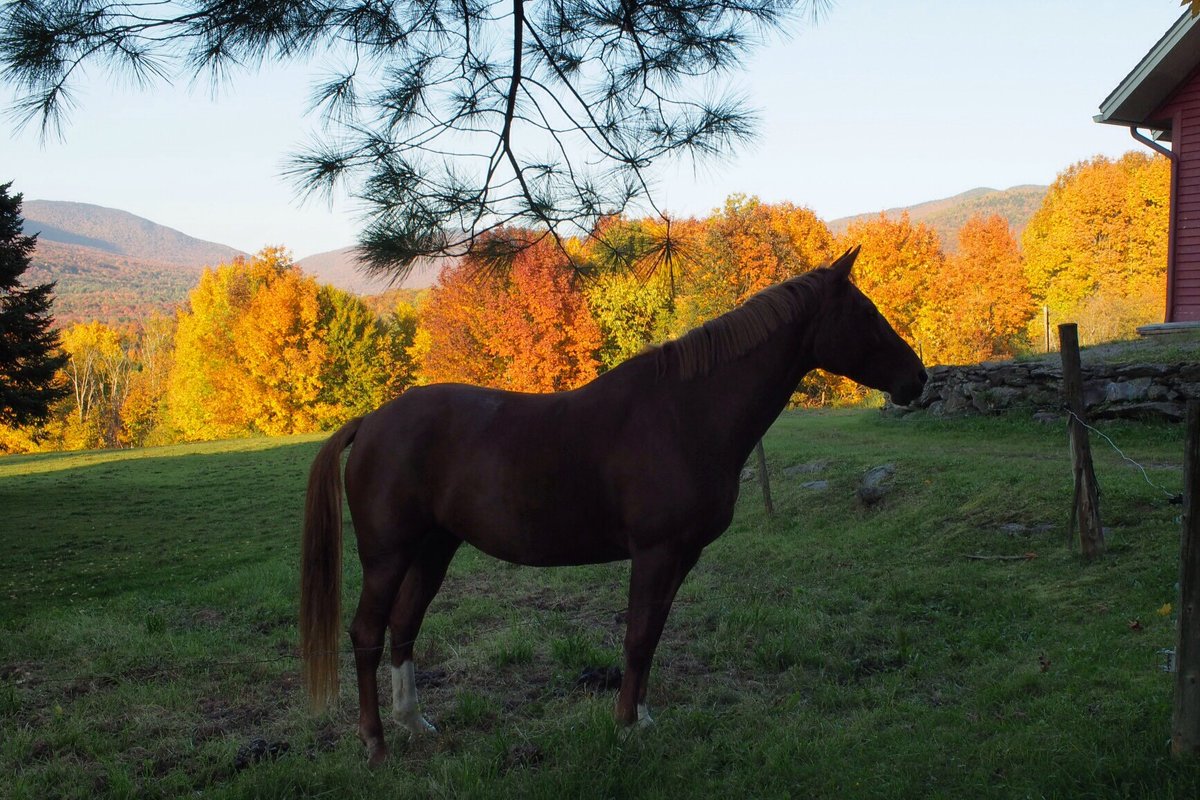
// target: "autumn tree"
[[896, 261], [457, 322], [526, 329], [279, 357], [29, 358], [144, 411], [976, 304], [742, 248], [448, 116], [1096, 249], [203, 398], [546, 335], [97, 370]]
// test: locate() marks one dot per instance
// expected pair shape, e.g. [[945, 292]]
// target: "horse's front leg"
[[654, 579]]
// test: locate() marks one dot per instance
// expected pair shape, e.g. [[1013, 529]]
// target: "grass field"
[[147, 635]]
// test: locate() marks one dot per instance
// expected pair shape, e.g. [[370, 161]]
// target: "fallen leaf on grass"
[[1044, 662], [1135, 625], [1164, 610]]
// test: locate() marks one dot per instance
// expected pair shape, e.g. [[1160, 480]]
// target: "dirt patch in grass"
[[222, 720]]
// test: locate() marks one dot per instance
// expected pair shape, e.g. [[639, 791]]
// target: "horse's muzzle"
[[910, 389]]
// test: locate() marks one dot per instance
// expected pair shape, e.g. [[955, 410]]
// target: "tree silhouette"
[[29, 356], [448, 118]]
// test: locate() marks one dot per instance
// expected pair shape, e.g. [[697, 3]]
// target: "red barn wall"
[[1183, 274]]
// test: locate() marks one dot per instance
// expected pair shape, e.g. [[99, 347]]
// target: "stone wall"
[[1110, 390]]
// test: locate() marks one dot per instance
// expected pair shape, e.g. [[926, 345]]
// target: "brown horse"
[[642, 463]]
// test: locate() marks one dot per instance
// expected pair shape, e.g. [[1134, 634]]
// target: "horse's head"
[[852, 338]]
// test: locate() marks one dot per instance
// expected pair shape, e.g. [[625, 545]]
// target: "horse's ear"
[[841, 267]]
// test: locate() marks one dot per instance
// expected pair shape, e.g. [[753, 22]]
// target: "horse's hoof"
[[416, 724], [644, 720], [377, 754]]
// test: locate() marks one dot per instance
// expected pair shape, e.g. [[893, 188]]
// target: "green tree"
[[367, 361], [29, 357], [448, 115]]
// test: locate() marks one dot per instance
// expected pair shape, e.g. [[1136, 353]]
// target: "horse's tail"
[[321, 569]]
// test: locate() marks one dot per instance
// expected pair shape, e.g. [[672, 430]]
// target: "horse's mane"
[[736, 332]]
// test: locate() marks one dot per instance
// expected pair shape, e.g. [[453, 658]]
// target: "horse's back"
[[520, 476]]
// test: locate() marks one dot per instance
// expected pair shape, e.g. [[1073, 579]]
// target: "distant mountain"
[[119, 233], [947, 215], [341, 268], [117, 267], [94, 284], [111, 265]]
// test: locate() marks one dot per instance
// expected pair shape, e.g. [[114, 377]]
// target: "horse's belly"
[[548, 550], [546, 531]]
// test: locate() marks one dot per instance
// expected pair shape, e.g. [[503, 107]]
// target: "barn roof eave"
[[1155, 78]]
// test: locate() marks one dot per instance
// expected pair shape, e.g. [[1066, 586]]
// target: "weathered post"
[[763, 478], [1185, 717], [1085, 510]]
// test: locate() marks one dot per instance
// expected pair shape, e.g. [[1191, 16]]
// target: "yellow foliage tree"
[[97, 370], [203, 397], [143, 411], [276, 377], [743, 248], [1096, 250]]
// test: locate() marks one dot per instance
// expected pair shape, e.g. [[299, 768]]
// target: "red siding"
[[1184, 272]]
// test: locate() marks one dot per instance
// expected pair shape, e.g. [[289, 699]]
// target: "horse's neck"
[[742, 397]]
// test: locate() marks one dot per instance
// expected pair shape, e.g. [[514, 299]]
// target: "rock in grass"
[[815, 486], [811, 468], [876, 484]]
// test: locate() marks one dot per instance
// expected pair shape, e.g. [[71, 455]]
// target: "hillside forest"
[[260, 348]]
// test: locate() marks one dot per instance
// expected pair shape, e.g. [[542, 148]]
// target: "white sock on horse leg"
[[405, 708]]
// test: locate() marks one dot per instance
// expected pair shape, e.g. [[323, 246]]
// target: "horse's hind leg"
[[381, 578], [421, 583]]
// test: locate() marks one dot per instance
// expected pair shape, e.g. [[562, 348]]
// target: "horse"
[[642, 463]]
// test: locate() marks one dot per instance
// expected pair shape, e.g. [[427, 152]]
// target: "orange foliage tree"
[[897, 259], [527, 329], [976, 305], [1096, 249]]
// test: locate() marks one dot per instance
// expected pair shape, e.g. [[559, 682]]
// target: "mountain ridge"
[[946, 215], [115, 266], [118, 232]]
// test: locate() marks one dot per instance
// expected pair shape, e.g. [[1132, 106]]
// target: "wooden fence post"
[[1085, 509], [763, 478], [1185, 717]]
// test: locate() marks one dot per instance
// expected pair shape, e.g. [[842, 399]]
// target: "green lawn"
[[148, 634]]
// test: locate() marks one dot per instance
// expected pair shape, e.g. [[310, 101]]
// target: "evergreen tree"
[[29, 356]]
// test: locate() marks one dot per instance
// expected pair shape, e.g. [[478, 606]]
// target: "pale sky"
[[881, 104]]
